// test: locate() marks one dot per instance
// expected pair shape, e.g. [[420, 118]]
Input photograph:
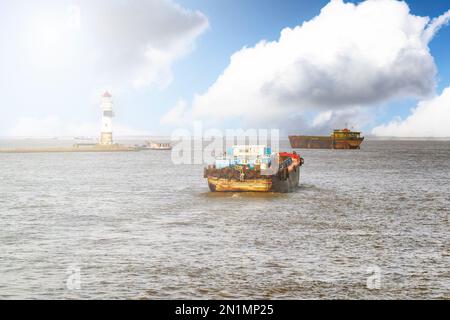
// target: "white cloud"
[[354, 117], [349, 56], [322, 118], [431, 118], [138, 41], [177, 116], [57, 56], [143, 37], [115, 42], [435, 25]]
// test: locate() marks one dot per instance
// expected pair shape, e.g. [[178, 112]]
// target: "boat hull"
[[275, 183], [232, 185], [316, 142], [289, 184], [348, 143], [311, 142]]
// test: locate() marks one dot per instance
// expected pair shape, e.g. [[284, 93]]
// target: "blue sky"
[[223, 28]]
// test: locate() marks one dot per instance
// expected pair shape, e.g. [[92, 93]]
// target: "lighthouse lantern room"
[[107, 115]]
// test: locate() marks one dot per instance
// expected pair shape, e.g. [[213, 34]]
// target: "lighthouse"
[[107, 115]]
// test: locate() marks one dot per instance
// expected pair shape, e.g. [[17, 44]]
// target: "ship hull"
[[275, 183], [348, 143], [313, 142], [160, 149]]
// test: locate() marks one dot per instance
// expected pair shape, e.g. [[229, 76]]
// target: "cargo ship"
[[254, 169], [339, 139]]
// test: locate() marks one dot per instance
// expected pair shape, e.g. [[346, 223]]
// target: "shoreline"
[[97, 148]]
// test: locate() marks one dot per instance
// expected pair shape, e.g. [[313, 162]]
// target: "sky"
[[380, 66]]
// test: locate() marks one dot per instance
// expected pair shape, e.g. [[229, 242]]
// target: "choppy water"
[[136, 226]]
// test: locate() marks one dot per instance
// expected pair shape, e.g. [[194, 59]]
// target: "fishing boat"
[[254, 169], [158, 146]]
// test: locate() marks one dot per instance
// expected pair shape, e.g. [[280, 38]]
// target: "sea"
[[364, 224]]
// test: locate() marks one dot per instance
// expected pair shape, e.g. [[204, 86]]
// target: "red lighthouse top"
[[106, 95]]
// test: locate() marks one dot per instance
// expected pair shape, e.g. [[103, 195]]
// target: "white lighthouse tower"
[[107, 115]]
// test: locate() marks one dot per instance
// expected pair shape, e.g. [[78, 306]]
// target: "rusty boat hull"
[[234, 185], [273, 183], [338, 139], [348, 143], [245, 179], [311, 142], [316, 142], [267, 184]]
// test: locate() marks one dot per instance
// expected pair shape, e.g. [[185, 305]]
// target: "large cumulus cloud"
[[348, 57], [431, 118]]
